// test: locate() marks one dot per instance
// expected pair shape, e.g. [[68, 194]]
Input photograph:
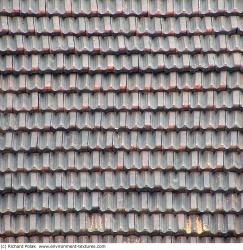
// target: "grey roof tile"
[[122, 63], [119, 238], [121, 101], [123, 7], [120, 25], [121, 82], [121, 181], [86, 161], [170, 140], [99, 223], [120, 121]]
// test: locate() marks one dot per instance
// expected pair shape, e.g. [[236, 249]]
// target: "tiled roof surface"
[[121, 121]]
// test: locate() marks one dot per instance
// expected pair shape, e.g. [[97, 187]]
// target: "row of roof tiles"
[[123, 120], [122, 82], [120, 44], [119, 180], [121, 161], [122, 180], [120, 25], [134, 140], [138, 202], [109, 101], [107, 238], [206, 224], [120, 63], [121, 7]]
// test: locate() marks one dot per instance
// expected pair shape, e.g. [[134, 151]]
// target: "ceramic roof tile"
[[109, 101], [124, 7], [120, 181], [137, 120], [121, 121], [121, 82], [156, 26], [72, 223], [119, 44], [133, 201]]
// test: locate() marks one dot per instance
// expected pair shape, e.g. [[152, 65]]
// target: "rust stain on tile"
[[96, 223], [199, 226], [189, 226]]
